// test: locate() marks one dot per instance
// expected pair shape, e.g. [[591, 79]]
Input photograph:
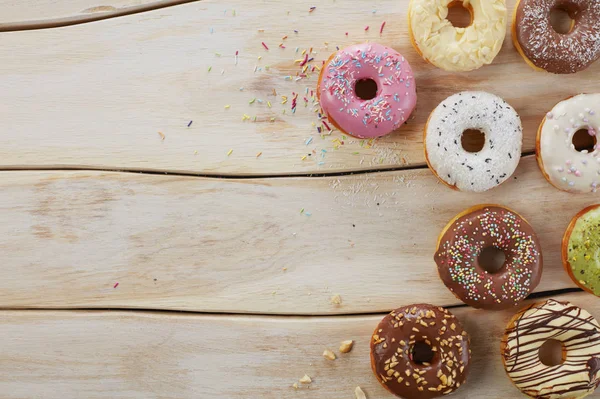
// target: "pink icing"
[[396, 90]]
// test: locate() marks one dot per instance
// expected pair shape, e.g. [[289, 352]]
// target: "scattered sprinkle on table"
[[265, 46], [116, 285], [229, 152], [382, 26], [259, 154], [312, 9], [190, 124], [162, 135]]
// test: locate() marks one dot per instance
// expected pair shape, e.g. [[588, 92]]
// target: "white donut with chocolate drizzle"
[[500, 155], [563, 165], [579, 334]]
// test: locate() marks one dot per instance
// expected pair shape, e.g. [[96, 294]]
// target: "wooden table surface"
[[147, 257]]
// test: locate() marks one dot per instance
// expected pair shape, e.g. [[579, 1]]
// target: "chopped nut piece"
[[305, 380], [346, 346], [359, 393], [329, 355], [444, 379], [336, 300]]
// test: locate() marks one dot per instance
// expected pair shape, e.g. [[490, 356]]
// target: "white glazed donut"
[[564, 166], [500, 155]]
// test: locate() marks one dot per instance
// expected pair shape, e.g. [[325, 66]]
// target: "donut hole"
[[473, 140], [366, 89], [584, 140], [552, 353], [561, 20], [421, 353], [492, 259], [459, 15]]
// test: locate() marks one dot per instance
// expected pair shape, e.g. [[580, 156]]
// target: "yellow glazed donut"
[[457, 49]]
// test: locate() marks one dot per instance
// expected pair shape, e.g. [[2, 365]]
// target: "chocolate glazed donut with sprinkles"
[[489, 227], [367, 90], [544, 48], [579, 335]]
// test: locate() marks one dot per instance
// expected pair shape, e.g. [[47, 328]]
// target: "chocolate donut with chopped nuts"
[[420, 352]]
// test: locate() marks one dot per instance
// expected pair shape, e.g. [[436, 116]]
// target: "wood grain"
[[42, 14], [76, 354], [277, 246], [96, 95]]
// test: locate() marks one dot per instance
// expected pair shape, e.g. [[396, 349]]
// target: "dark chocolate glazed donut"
[[464, 239], [554, 52], [393, 347]]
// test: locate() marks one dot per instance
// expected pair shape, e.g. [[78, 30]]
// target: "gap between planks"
[[534, 296], [91, 17], [65, 168]]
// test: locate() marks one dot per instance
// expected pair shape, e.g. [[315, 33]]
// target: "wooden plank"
[[96, 95], [71, 354], [40, 14], [214, 245]]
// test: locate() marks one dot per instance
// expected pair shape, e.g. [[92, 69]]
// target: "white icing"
[[565, 167], [458, 49], [501, 152], [579, 334]]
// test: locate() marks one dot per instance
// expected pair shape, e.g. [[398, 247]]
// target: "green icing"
[[584, 250]]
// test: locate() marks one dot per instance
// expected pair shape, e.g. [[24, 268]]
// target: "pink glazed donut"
[[367, 90]]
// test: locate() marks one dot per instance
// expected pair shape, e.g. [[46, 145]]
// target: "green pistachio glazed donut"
[[581, 249]]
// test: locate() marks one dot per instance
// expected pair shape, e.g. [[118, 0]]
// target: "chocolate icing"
[[553, 51], [465, 239], [391, 352]]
